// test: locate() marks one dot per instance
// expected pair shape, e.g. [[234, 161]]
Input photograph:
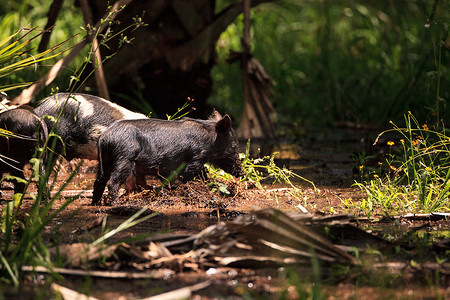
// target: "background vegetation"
[[344, 61], [333, 62], [15, 15]]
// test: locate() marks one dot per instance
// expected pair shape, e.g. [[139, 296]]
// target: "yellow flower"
[[428, 169], [390, 143], [393, 168], [425, 127], [375, 176], [402, 141], [361, 167], [380, 163]]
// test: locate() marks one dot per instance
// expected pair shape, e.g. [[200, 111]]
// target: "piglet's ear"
[[224, 124], [215, 116]]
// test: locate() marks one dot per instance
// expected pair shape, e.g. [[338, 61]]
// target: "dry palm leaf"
[[267, 236]]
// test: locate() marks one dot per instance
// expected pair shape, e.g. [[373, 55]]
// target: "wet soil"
[[325, 158]]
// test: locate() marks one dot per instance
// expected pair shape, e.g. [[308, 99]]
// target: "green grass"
[[258, 171], [15, 56], [415, 176]]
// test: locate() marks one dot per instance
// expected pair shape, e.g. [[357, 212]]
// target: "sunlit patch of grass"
[[416, 179], [382, 196], [264, 169], [257, 171]]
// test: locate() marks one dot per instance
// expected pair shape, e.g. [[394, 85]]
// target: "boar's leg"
[[104, 171], [103, 175], [99, 188], [18, 186], [140, 182], [136, 180], [191, 170], [122, 170], [130, 183]]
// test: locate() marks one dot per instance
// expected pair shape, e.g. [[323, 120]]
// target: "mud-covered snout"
[[238, 171], [230, 164]]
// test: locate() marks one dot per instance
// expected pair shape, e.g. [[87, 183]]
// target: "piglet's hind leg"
[[122, 171]]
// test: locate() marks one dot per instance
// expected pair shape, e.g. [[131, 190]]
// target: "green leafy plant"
[[379, 198], [28, 247], [419, 176], [182, 111], [257, 171], [263, 169], [219, 186]]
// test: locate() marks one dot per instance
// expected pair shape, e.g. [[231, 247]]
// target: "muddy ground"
[[327, 159]]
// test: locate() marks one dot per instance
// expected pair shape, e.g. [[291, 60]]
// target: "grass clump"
[[264, 168], [416, 174], [21, 242], [257, 171]]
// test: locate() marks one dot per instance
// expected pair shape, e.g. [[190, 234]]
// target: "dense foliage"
[[332, 61], [16, 15], [344, 61]]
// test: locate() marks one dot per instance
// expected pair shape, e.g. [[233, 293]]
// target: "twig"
[[68, 294], [183, 293], [97, 62], [155, 274], [52, 15], [91, 225]]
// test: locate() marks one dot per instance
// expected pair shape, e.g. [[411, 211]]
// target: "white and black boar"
[[16, 152], [159, 147], [81, 118]]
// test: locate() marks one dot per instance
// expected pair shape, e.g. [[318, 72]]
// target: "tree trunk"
[[169, 59], [257, 117]]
